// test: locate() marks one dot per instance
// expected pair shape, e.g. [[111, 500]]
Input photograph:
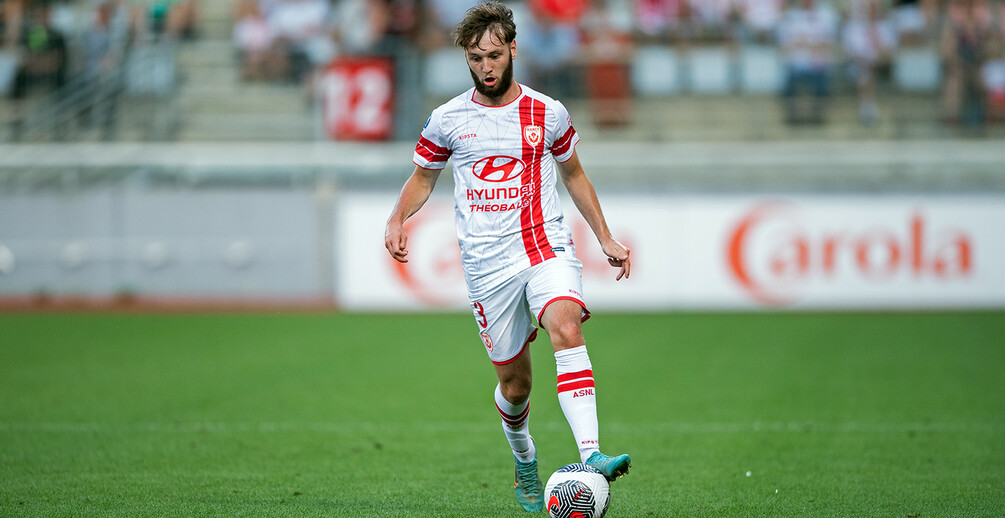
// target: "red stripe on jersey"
[[535, 241], [562, 378], [562, 145], [575, 385], [430, 151]]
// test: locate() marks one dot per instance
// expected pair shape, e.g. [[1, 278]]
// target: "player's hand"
[[617, 256], [395, 240]]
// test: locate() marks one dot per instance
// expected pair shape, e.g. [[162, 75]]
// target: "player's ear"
[[512, 49]]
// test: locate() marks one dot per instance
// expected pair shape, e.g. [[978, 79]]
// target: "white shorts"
[[505, 313]]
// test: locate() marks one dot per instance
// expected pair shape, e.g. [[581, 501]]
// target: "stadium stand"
[[692, 79]]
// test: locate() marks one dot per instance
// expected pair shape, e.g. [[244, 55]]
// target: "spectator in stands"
[[44, 50], [711, 19], [1001, 21], [254, 42], [104, 45], [11, 18], [359, 26], [993, 81], [658, 19], [807, 36], [402, 41], [551, 46], [352, 28], [913, 20], [608, 47], [402, 18], [176, 19], [302, 35], [439, 18], [44, 61], [662, 19], [868, 39], [11, 15], [759, 20], [969, 30]]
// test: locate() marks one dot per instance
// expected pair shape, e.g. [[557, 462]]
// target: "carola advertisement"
[[715, 252]]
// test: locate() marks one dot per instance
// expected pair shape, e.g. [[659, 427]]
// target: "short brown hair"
[[489, 16]]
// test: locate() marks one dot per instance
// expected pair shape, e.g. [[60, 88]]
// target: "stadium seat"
[[151, 69], [761, 70], [917, 70], [446, 72], [710, 70], [655, 70], [8, 69]]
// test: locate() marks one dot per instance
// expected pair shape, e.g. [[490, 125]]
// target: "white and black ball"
[[577, 491]]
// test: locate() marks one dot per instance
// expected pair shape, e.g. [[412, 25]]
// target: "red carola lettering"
[[498, 168], [772, 250]]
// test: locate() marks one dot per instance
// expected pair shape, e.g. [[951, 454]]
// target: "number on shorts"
[[480, 315]]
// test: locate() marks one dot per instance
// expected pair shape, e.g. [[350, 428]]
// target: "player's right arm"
[[413, 196]]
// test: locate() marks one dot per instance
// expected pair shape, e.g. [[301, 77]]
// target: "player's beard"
[[501, 86]]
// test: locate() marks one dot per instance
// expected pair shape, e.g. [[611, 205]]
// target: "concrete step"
[[215, 18], [209, 79], [241, 100], [207, 52], [247, 127], [688, 118]]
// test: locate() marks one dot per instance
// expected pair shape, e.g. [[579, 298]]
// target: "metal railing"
[[85, 103]]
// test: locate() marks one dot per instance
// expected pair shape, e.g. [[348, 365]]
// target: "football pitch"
[[316, 414]]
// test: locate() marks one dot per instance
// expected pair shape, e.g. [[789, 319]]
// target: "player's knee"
[[566, 335], [515, 390]]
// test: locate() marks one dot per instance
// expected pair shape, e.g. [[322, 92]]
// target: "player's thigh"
[[558, 279], [505, 324]]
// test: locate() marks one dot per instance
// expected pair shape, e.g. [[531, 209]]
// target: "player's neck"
[[507, 97]]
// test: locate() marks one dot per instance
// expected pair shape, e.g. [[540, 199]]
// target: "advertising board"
[[717, 252]]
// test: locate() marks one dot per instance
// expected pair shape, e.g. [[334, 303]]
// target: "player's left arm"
[[585, 197]]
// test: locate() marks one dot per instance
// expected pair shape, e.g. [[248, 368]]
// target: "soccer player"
[[509, 144]]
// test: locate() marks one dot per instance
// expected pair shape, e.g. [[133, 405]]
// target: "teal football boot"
[[610, 467], [528, 487]]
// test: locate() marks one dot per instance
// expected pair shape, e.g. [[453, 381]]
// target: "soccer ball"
[[577, 491]]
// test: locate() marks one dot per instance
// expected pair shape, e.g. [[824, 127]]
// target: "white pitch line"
[[684, 428]]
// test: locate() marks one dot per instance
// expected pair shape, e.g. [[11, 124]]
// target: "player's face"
[[491, 64]]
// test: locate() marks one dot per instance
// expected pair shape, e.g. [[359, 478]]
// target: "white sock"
[[577, 397], [516, 426]]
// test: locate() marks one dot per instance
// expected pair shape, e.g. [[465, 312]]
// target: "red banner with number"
[[358, 98]]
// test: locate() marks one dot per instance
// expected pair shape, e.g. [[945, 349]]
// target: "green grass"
[[833, 415]]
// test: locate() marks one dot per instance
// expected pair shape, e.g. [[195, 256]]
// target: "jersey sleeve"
[[566, 137], [432, 151]]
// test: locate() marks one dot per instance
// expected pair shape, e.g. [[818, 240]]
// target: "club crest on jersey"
[[533, 134], [487, 340]]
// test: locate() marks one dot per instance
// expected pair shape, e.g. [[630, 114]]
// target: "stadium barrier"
[[712, 226]]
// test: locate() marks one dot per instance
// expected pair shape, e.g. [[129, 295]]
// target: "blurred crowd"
[[582, 47], [52, 39], [72, 52], [567, 47]]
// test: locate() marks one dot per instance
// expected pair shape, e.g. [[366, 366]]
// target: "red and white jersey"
[[507, 209]]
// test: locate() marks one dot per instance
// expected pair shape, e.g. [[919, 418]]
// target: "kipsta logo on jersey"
[[532, 134], [498, 168]]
